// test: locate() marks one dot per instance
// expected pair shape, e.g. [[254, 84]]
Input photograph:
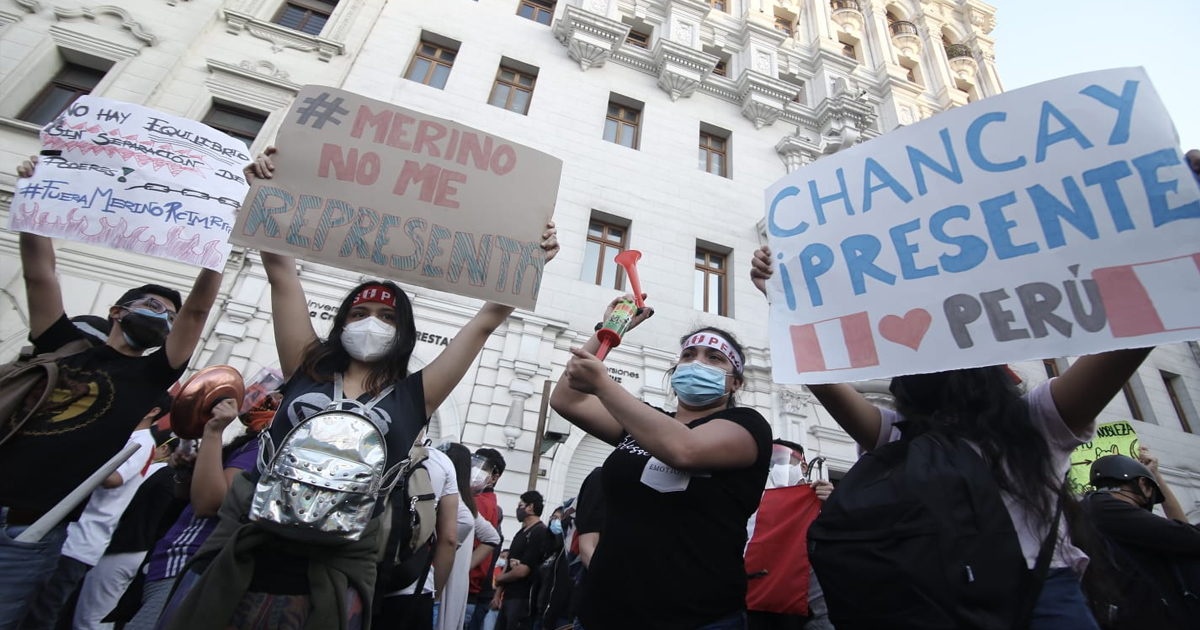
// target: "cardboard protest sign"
[[1112, 438], [128, 177], [1055, 220], [365, 185]]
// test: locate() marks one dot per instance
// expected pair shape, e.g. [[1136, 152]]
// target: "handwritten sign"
[[131, 178], [364, 185], [1055, 220], [1112, 438]]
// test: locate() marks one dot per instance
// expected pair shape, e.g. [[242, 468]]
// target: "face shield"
[[481, 473], [784, 473]]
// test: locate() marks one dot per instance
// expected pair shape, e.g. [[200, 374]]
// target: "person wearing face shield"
[[697, 472], [101, 394], [1157, 559], [487, 465], [362, 366]]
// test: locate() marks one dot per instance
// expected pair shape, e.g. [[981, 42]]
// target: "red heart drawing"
[[908, 331]]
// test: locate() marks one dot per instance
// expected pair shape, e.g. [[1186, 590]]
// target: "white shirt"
[[88, 537], [445, 483]]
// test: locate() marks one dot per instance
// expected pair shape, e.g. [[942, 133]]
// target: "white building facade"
[[627, 93]]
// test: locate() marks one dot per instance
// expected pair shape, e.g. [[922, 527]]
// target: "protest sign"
[[361, 184], [131, 178], [1112, 438], [1055, 220]]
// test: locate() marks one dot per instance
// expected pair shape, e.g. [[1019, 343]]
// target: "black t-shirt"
[[149, 515], [528, 546], [100, 397], [1152, 556], [589, 507], [671, 549], [400, 415]]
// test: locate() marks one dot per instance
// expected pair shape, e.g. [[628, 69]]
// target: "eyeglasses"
[[154, 305]]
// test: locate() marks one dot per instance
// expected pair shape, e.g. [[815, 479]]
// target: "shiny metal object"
[[195, 400], [324, 481]]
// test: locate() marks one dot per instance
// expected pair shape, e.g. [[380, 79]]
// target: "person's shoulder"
[[747, 417], [434, 457]]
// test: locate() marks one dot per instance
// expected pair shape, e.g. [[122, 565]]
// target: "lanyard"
[[338, 400]]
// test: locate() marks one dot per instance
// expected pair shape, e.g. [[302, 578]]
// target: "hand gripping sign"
[[1055, 220], [361, 184]]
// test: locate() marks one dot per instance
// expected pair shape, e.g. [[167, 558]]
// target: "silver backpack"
[[323, 483]]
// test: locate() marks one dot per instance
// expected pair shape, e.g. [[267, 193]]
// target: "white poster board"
[[1055, 220]]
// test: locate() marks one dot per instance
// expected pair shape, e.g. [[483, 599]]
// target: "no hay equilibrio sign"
[[361, 184], [128, 177], [1055, 220]]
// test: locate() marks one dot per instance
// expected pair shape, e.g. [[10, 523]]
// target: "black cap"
[[1116, 469]]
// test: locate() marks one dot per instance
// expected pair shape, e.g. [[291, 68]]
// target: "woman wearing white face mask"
[[365, 358], [697, 473]]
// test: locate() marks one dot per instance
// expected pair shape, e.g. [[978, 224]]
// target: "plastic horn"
[[43, 525], [628, 260]]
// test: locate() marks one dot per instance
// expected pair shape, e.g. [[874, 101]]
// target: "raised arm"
[[210, 479], [42, 291], [189, 322], [1083, 391], [294, 331], [583, 409], [849, 408], [444, 372]]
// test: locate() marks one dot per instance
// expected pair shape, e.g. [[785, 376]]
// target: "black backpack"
[[917, 536], [410, 521]]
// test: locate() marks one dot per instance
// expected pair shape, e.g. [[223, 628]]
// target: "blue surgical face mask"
[[556, 528], [697, 384]]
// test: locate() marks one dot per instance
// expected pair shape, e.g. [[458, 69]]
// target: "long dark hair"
[[733, 341], [324, 358], [461, 457], [984, 405]]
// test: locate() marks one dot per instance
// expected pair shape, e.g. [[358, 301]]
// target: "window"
[[621, 124], [638, 38], [239, 123], [713, 154], [306, 16], [540, 11], [1051, 367], [711, 292], [1135, 409], [783, 25], [604, 241], [721, 69], [69, 84], [720, 5], [431, 65], [513, 90], [1176, 391], [848, 50]]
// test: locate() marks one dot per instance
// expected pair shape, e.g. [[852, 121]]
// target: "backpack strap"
[[1037, 577], [24, 368]]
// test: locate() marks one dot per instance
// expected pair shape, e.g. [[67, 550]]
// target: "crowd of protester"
[[956, 515]]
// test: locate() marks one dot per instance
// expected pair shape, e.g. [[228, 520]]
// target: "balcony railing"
[[845, 4], [955, 51], [903, 28]]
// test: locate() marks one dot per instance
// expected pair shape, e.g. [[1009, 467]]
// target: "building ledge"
[[681, 69], [589, 38], [281, 37]]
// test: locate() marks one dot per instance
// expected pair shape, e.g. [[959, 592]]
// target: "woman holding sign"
[[679, 488], [1025, 443], [277, 560]]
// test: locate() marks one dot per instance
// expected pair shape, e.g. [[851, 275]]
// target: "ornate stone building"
[[628, 93]]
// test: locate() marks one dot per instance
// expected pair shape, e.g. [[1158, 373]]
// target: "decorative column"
[[514, 423], [237, 311]]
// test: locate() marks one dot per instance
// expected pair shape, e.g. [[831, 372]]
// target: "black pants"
[[405, 612], [515, 615]]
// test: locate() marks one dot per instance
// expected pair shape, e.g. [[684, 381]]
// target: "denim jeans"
[[736, 621], [480, 616], [1061, 606], [50, 601], [24, 568]]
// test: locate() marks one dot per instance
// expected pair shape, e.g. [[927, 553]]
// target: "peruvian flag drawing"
[[779, 546]]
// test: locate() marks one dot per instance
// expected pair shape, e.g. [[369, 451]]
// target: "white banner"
[[1055, 220], [127, 177]]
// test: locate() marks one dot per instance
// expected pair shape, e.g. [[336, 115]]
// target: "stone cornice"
[[281, 37], [589, 38], [681, 69], [68, 38], [89, 13], [263, 72]]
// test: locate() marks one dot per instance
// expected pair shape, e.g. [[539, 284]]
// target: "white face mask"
[[786, 475], [368, 339]]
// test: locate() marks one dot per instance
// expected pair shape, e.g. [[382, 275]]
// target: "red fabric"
[[779, 545], [486, 502], [375, 293]]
